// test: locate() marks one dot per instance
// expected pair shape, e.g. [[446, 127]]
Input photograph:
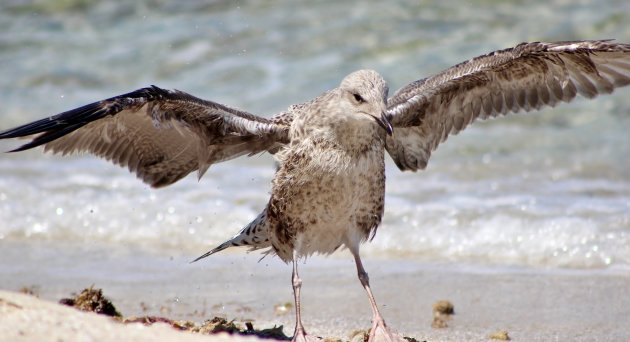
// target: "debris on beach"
[[214, 326], [271, 333], [91, 299], [359, 335], [148, 320], [217, 325], [411, 339], [442, 311], [500, 335], [363, 336], [443, 307]]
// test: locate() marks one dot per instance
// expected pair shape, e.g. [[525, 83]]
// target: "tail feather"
[[255, 235]]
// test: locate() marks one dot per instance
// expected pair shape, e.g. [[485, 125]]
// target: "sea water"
[[543, 190]]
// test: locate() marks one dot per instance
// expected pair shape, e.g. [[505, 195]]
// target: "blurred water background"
[[547, 190]]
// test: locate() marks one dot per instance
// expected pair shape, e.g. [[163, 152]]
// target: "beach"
[[530, 304]]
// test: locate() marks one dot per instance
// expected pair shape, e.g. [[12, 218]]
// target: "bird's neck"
[[353, 137]]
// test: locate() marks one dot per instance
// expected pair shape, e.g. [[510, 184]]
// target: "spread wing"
[[161, 135], [526, 77]]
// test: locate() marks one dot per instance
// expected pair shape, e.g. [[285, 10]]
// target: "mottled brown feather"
[[526, 77]]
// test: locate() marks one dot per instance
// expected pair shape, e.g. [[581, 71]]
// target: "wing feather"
[[161, 135], [524, 78]]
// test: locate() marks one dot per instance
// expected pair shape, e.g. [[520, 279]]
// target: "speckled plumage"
[[329, 189], [330, 186]]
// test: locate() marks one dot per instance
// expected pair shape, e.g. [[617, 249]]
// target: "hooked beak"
[[384, 123]]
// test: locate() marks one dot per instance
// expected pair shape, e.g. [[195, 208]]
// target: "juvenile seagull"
[[329, 189]]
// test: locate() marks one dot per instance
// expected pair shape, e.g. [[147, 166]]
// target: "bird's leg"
[[299, 334], [378, 323]]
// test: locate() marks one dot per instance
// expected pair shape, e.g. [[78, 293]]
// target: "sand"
[[528, 304], [27, 318]]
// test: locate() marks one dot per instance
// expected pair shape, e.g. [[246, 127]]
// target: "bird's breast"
[[325, 198]]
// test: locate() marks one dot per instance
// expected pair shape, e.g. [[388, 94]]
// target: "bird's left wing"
[[526, 77], [161, 135]]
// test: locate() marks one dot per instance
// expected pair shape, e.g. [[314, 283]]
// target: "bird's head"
[[364, 96]]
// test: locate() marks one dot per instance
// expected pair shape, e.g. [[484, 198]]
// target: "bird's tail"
[[255, 235]]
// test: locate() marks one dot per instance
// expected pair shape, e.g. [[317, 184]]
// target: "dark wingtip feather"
[[21, 148], [24, 130], [56, 126]]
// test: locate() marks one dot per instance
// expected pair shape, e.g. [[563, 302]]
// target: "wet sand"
[[530, 304]]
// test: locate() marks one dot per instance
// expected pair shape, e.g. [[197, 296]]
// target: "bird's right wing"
[[161, 135]]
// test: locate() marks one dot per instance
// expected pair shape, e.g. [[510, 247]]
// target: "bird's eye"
[[359, 98]]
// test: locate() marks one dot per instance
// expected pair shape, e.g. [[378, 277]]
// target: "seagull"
[[328, 192]]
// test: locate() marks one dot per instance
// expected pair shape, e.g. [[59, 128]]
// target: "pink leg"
[[299, 334], [378, 323]]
